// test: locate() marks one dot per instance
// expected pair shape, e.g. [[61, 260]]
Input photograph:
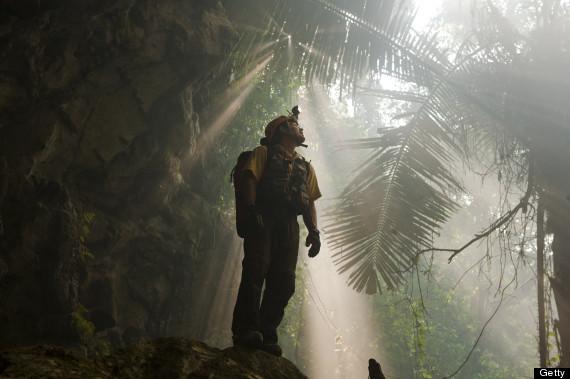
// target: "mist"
[[437, 131]]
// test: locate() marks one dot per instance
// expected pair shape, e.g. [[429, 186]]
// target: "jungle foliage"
[[497, 99], [492, 95]]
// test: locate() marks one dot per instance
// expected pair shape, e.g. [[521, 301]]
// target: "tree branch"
[[504, 219]]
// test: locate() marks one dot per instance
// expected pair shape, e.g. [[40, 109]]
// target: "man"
[[277, 186]]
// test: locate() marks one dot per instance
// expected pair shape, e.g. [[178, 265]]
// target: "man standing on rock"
[[275, 186]]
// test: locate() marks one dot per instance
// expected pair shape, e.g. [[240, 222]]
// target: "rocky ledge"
[[163, 358]]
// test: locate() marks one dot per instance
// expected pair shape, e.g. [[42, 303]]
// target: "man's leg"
[[280, 282], [254, 270]]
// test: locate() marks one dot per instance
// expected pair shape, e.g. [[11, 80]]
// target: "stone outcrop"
[[164, 358], [101, 233]]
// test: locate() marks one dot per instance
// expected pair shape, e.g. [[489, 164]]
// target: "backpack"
[[298, 194], [240, 207]]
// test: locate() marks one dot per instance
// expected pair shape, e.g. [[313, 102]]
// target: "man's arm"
[[248, 195], [249, 186], [310, 217], [313, 239], [252, 172]]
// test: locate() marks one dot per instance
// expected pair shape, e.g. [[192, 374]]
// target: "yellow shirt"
[[256, 165]]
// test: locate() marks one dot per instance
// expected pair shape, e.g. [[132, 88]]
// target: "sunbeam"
[[342, 335], [226, 108]]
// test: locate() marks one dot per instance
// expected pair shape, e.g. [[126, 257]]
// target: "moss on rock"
[[170, 358]]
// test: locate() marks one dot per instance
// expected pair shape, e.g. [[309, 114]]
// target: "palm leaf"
[[399, 198], [341, 41], [394, 203]]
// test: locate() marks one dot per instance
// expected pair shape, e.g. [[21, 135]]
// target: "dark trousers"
[[270, 257]]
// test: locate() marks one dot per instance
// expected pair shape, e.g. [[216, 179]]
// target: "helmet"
[[272, 128]]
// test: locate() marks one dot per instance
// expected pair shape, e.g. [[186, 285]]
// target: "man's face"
[[296, 132]]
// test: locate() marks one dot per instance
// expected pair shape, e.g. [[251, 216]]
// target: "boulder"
[[168, 358]]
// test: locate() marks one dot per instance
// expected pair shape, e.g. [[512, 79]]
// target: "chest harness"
[[284, 181]]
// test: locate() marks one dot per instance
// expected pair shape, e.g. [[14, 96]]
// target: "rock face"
[[101, 233], [165, 358]]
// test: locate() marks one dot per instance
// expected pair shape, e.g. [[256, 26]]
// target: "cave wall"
[[100, 105]]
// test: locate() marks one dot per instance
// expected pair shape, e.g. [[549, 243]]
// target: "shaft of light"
[[342, 335], [233, 98]]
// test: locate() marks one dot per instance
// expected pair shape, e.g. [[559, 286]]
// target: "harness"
[[284, 182]]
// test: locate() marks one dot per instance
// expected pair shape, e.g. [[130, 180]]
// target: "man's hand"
[[254, 220], [313, 240]]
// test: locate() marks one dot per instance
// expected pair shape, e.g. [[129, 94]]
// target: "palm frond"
[[394, 204], [408, 96], [399, 198], [340, 41]]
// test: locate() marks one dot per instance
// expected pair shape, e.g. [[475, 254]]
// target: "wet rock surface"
[[101, 233], [167, 358]]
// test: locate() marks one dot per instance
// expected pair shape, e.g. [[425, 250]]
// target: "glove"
[[254, 220], [313, 240]]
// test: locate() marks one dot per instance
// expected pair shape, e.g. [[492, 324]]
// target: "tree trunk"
[[560, 283], [542, 339]]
